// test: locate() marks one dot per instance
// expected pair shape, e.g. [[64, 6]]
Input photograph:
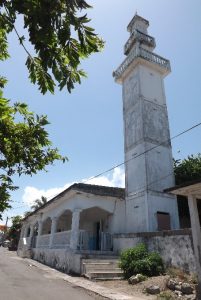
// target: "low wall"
[[60, 259], [175, 246]]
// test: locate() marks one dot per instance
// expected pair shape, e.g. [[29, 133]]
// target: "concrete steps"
[[101, 269]]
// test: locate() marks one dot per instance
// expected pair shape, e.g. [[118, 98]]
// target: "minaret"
[[148, 153]]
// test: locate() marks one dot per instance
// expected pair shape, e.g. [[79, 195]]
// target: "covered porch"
[[80, 230]]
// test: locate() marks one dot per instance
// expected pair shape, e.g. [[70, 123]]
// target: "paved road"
[[21, 281]]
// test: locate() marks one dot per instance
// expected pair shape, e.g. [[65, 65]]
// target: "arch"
[[64, 221], [93, 214], [46, 226], [93, 222]]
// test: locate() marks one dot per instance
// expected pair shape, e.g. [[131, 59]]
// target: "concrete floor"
[[20, 280]]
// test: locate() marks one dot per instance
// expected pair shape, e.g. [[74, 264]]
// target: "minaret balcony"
[[140, 37], [143, 56]]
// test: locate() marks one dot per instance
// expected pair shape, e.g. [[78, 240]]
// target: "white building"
[[79, 221], [86, 219]]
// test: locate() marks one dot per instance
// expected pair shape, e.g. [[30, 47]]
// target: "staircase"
[[101, 269]]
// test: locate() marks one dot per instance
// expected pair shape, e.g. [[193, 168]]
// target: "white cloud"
[[116, 179], [32, 193]]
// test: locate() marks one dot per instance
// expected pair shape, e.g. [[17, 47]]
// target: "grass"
[[165, 296]]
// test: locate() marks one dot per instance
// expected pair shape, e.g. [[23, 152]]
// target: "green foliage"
[[141, 277], [188, 169], [60, 35], [166, 295], [138, 260], [155, 263], [13, 233], [39, 202], [26, 213], [24, 146]]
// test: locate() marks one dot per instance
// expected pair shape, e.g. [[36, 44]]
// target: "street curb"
[[82, 283]]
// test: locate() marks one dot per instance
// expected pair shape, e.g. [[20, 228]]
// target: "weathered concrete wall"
[[175, 247], [61, 259], [115, 207], [148, 154]]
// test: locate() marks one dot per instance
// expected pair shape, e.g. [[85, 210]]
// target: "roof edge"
[[179, 186], [79, 187]]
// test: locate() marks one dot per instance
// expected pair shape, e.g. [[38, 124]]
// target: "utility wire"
[[140, 189], [146, 151], [114, 167]]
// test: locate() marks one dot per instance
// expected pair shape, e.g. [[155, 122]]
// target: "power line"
[[114, 167], [18, 207], [139, 190], [146, 151]]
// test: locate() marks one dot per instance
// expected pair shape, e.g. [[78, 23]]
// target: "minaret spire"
[[148, 172], [140, 45]]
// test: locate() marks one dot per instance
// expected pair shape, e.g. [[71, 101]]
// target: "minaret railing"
[[137, 35], [145, 54]]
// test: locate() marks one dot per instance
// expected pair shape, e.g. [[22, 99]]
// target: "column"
[[53, 230], [31, 236], [22, 232], [26, 231], [74, 239], [40, 226], [196, 234], [22, 235]]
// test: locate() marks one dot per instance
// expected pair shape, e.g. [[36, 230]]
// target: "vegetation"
[[138, 260], [166, 295], [24, 146], [187, 169], [13, 233], [39, 202], [60, 36]]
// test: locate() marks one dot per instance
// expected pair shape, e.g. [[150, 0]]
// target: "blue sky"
[[87, 125]]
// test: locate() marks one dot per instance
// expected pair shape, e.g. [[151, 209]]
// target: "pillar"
[[196, 234], [40, 226], [26, 231], [22, 232], [74, 239], [31, 235], [53, 230]]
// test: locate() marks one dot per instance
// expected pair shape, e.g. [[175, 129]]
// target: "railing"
[[155, 58], [137, 35], [106, 241], [44, 241], [61, 239], [88, 241], [140, 52], [132, 55]]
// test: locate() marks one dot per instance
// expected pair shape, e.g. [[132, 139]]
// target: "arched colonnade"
[[85, 229]]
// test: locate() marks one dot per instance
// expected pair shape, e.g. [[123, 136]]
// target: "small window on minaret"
[[163, 220]]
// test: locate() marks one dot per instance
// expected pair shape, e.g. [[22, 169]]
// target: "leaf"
[[51, 27]]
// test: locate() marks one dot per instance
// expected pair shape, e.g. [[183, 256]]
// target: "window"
[[163, 220]]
